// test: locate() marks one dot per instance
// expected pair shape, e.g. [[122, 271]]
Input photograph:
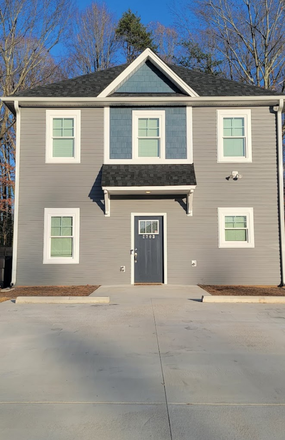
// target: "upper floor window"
[[63, 136], [149, 134], [234, 135]]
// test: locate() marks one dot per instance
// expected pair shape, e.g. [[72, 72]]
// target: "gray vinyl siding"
[[121, 132], [105, 242]]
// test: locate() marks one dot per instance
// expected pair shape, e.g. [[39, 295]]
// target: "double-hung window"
[[63, 136], [149, 135], [61, 236], [236, 227], [234, 135]]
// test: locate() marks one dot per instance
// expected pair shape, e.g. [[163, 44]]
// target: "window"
[[61, 236], [149, 135], [63, 136], [149, 227], [234, 136], [236, 227]]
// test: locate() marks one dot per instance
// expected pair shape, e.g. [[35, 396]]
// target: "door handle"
[[136, 256]]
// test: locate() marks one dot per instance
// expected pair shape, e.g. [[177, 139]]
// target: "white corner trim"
[[55, 113], [106, 134], [189, 133], [61, 212], [147, 54], [231, 113], [232, 211], [150, 214], [16, 196]]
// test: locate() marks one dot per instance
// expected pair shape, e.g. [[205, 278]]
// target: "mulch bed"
[[244, 290], [48, 291]]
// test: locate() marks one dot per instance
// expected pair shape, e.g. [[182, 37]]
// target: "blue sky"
[[148, 10]]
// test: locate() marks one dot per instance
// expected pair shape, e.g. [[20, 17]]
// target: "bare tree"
[[94, 45], [166, 40], [29, 29], [248, 36]]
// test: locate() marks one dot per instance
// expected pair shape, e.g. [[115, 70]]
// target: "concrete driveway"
[[154, 364]]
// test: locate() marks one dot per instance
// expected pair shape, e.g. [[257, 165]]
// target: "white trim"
[[153, 113], [61, 212], [50, 115], [16, 195], [150, 214], [232, 113], [145, 161], [107, 135], [248, 212], [96, 101], [179, 189], [147, 54], [189, 133]]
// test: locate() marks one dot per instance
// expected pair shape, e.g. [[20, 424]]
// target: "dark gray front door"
[[148, 253]]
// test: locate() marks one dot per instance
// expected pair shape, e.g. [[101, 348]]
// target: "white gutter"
[[16, 194], [181, 99], [281, 187]]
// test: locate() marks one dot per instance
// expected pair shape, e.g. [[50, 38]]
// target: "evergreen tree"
[[133, 35]]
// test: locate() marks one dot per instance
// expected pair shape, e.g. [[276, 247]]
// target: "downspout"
[[16, 195], [281, 188]]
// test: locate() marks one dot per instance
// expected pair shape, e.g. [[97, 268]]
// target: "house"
[[148, 173]]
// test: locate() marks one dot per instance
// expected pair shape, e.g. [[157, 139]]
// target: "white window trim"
[[248, 212], [143, 160], [76, 115], [60, 212], [136, 115], [233, 113]]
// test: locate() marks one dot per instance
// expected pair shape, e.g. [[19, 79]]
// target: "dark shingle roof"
[[93, 84], [148, 175]]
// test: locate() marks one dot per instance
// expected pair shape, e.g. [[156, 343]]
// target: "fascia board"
[[143, 57]]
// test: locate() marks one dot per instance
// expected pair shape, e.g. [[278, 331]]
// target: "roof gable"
[[147, 79], [160, 70]]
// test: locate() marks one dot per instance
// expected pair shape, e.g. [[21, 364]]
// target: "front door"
[[148, 252]]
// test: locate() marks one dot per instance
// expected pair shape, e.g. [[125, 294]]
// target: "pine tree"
[[133, 35]]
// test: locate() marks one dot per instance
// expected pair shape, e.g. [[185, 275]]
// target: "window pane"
[[233, 126], [154, 227], [63, 147], [238, 221], [142, 226], [61, 226], [61, 247], [148, 148], [234, 147], [148, 227], [236, 235], [68, 127], [57, 126]]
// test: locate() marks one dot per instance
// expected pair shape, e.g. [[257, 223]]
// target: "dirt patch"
[[47, 291], [244, 290]]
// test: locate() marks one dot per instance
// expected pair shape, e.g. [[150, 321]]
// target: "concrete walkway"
[[154, 364]]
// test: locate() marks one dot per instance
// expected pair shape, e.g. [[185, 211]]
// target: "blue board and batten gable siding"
[[121, 132], [148, 79]]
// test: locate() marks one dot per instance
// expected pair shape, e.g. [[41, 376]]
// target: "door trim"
[[150, 214]]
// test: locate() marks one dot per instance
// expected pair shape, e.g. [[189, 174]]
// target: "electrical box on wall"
[[122, 268], [194, 263]]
